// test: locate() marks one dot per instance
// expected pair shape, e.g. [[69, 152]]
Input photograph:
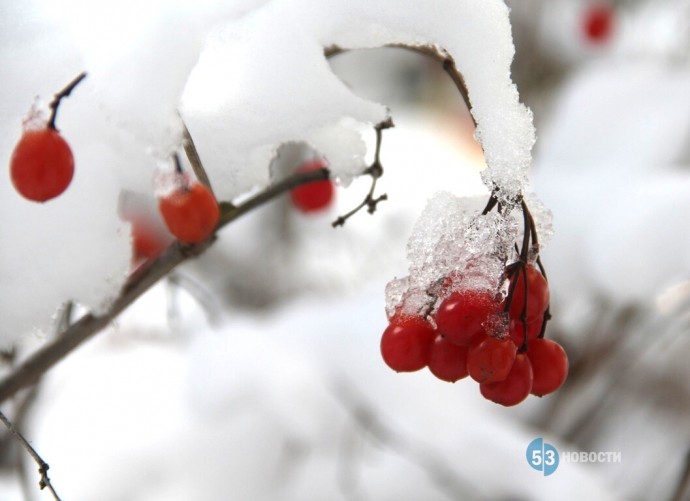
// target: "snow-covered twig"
[[143, 279], [435, 53]]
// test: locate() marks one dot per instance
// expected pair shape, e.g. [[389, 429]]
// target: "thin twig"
[[433, 52], [194, 158], [42, 465], [55, 103], [375, 170], [139, 282]]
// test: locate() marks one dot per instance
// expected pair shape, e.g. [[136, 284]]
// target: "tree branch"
[[28, 372], [150, 273], [433, 52]]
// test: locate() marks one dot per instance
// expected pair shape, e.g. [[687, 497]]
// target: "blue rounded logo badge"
[[542, 456]]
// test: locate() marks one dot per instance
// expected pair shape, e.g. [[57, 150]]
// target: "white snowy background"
[[254, 372]]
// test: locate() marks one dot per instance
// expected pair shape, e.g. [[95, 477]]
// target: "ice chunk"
[[395, 291], [453, 246]]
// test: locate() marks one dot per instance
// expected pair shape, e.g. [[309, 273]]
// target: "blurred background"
[[254, 373]]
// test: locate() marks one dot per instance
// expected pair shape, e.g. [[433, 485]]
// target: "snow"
[[258, 376], [313, 101], [635, 186], [452, 239], [246, 77], [271, 406]]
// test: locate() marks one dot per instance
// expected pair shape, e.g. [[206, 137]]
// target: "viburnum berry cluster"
[[495, 337]]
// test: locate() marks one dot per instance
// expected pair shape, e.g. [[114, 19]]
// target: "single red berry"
[[406, 343], [491, 359], [597, 23], [314, 196], [537, 294], [42, 165], [447, 361], [148, 241], [191, 213], [550, 365], [514, 388], [461, 316], [517, 330]]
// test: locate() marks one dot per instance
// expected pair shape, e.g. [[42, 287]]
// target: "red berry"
[[537, 294], [517, 330], [447, 361], [148, 241], [314, 196], [191, 213], [514, 388], [550, 365], [597, 24], [42, 165], [406, 343], [491, 359], [461, 316]]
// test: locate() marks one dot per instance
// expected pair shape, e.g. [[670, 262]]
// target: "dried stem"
[[375, 170], [43, 467], [194, 158], [55, 103], [433, 52], [518, 269]]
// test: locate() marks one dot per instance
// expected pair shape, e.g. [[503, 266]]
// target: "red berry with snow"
[[463, 314], [514, 388], [314, 196], [406, 343], [42, 165], [191, 213], [148, 240]]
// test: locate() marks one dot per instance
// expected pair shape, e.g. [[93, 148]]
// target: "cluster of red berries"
[[497, 341]]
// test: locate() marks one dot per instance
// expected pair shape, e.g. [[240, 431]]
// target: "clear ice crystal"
[[452, 247]]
